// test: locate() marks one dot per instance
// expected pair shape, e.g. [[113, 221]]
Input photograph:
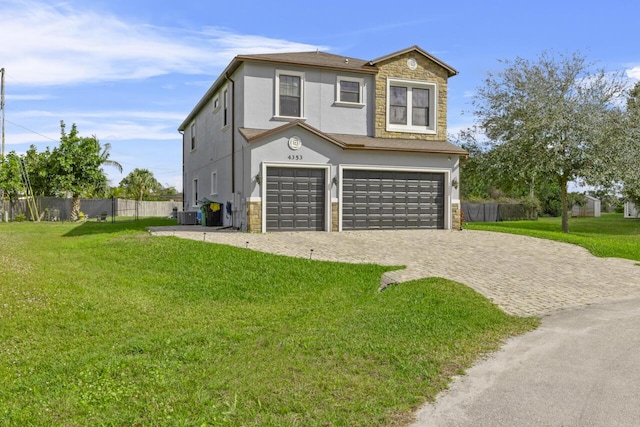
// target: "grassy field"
[[104, 324], [610, 235]]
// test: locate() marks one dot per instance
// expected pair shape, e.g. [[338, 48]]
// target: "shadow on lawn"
[[89, 227]]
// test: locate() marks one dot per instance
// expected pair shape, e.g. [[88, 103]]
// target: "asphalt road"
[[580, 368]]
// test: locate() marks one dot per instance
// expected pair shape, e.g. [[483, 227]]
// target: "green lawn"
[[104, 324], [611, 235]]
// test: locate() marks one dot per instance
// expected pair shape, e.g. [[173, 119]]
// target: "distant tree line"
[[75, 168], [543, 124]]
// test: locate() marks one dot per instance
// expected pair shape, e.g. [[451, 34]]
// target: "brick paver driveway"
[[523, 275]]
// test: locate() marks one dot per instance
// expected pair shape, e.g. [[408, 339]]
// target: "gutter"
[[181, 132], [233, 132]]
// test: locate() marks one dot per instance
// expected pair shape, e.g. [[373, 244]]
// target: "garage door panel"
[[295, 199], [392, 199]]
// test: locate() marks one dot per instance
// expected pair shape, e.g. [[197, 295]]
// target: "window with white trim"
[[195, 192], [214, 183], [216, 104], [193, 136], [349, 91], [289, 94], [411, 106]]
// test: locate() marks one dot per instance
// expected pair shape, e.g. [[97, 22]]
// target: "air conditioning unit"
[[188, 218]]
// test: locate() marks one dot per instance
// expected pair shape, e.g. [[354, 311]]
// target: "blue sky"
[[130, 71]]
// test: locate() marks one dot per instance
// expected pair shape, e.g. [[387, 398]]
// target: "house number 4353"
[[295, 157]]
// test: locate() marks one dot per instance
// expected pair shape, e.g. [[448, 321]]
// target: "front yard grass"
[[104, 324], [610, 235]]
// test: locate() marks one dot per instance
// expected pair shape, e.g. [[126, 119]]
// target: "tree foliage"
[[11, 177], [551, 118], [39, 167], [140, 184], [629, 151], [76, 165]]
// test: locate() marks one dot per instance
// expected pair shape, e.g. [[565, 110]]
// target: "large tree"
[[11, 176], [549, 118], [76, 166], [629, 152], [38, 166], [140, 183]]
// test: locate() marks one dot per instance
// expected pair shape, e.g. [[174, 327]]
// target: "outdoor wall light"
[[449, 158], [258, 179], [335, 181], [454, 183]]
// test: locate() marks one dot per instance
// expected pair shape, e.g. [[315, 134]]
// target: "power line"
[[32, 131]]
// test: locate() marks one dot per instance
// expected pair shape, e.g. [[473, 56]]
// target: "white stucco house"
[[317, 141]]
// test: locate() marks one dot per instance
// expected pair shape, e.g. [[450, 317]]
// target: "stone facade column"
[[456, 217], [334, 216], [254, 215]]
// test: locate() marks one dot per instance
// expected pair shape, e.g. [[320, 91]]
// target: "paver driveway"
[[523, 275]]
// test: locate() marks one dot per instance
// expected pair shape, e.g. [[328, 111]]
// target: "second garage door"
[[392, 199], [295, 199]]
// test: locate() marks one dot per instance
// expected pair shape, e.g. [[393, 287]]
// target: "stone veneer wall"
[[254, 213], [455, 216], [334, 216], [426, 71]]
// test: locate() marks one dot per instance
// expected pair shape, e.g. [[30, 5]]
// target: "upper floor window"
[[193, 136], [349, 91], [411, 106], [289, 94]]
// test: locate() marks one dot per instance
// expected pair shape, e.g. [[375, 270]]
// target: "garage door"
[[295, 199], [392, 199]]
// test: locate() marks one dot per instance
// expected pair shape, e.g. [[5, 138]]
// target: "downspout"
[[181, 132], [233, 135], [233, 146]]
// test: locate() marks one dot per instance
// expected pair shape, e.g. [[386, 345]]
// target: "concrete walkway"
[[522, 275], [580, 368]]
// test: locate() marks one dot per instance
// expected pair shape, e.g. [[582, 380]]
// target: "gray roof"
[[313, 59], [361, 142]]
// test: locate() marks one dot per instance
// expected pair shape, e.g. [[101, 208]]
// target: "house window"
[[216, 104], [214, 183], [225, 108], [411, 106], [195, 192], [349, 92], [290, 94], [193, 136]]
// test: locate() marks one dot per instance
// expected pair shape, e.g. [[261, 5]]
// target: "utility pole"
[[2, 105], [3, 215]]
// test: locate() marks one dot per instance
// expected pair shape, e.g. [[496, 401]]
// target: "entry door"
[[295, 199]]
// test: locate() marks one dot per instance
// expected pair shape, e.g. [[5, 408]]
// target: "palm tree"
[[140, 183], [104, 157]]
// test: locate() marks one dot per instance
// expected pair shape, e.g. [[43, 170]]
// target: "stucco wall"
[[320, 110]]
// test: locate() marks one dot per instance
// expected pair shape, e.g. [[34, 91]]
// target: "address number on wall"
[[295, 157]]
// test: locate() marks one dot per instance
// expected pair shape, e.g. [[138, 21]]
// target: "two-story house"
[[317, 141]]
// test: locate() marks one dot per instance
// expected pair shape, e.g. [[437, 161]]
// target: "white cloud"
[[57, 44], [634, 73]]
